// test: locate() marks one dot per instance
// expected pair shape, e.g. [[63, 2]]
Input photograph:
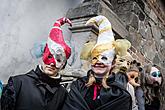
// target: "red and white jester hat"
[[56, 50]]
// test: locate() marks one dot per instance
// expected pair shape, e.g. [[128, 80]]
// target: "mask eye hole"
[[136, 79], [132, 76], [50, 56], [156, 74], [94, 58], [58, 60], [128, 63], [159, 75], [104, 58], [121, 60], [153, 74]]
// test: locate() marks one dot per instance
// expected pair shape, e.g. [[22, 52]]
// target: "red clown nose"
[[56, 50]]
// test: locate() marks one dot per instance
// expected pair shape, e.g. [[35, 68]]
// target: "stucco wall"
[[23, 23]]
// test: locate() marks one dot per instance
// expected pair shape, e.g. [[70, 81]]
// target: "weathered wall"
[[146, 30], [23, 23]]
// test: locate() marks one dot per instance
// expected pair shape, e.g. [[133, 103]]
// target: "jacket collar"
[[39, 75]]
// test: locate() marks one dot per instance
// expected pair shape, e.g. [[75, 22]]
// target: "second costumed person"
[[100, 90]]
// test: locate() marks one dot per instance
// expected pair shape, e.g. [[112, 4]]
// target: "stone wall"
[[146, 32]]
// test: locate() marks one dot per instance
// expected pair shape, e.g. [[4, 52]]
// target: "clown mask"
[[155, 76]]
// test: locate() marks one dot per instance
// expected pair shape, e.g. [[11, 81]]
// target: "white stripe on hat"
[[58, 22], [53, 47], [56, 27]]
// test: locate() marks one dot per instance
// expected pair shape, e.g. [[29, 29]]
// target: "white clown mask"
[[155, 75]]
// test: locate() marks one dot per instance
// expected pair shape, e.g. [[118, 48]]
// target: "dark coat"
[[33, 91], [155, 104], [114, 98]]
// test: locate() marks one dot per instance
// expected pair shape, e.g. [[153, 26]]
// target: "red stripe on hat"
[[57, 36]]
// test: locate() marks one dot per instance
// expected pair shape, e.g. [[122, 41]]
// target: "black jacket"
[[154, 105], [33, 91], [114, 98]]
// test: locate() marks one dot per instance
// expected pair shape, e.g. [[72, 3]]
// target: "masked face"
[[133, 77], [121, 62], [50, 69], [100, 69], [155, 76], [102, 64], [56, 57]]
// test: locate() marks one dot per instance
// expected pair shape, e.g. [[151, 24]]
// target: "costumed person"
[[124, 64], [153, 82], [139, 92], [99, 90], [40, 89], [1, 87], [134, 73]]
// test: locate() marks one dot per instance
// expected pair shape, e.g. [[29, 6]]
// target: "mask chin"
[[133, 83]]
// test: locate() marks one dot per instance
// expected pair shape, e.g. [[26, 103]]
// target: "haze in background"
[[23, 23]]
